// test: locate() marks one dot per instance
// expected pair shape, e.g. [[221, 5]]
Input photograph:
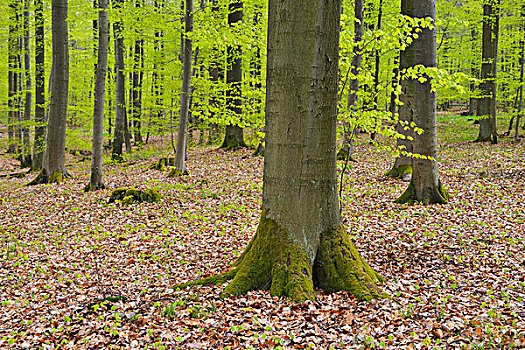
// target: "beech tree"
[[425, 185], [40, 98], [300, 241], [96, 182], [180, 155], [54, 168]]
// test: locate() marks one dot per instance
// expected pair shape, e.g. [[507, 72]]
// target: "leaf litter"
[[79, 273]]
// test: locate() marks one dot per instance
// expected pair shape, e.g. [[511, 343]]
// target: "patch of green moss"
[[407, 197], [56, 177], [231, 143], [163, 163], [132, 195], [339, 266], [437, 195], [174, 172], [397, 173]]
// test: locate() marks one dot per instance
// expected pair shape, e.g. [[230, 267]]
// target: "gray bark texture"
[[488, 54], [234, 136], [26, 154], [520, 99], [351, 133], [120, 128], [180, 154], [54, 159], [425, 185], [40, 98], [96, 181]]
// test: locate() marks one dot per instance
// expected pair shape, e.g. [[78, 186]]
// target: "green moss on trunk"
[[338, 266], [44, 178], [163, 163], [231, 143], [174, 172], [398, 172]]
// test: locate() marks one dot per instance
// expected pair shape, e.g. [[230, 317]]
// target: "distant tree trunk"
[[12, 89], [40, 93], [54, 169], [425, 186], [522, 64], [180, 155], [26, 154], [474, 72], [120, 94], [138, 72], [488, 62], [351, 132], [402, 168], [234, 136], [213, 133], [493, 102], [376, 71], [96, 181]]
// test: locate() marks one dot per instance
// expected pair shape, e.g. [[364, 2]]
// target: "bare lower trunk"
[[54, 159], [234, 137], [26, 154], [425, 185], [520, 100], [180, 155], [12, 88], [96, 181], [40, 99], [119, 134]]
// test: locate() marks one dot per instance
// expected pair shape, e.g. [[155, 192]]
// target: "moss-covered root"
[[400, 172], [174, 172], [231, 143], [429, 195], [338, 266], [215, 280], [44, 178], [94, 187], [131, 195], [163, 163], [272, 261]]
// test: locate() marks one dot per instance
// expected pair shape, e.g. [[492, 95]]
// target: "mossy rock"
[[132, 195], [163, 163]]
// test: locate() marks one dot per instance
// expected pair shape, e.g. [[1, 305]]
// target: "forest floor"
[[456, 272]]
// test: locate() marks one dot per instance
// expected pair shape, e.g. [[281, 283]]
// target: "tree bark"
[[120, 94], [234, 136], [96, 181], [40, 90], [12, 88], [484, 107], [425, 186], [180, 154], [138, 71], [54, 158], [351, 132], [26, 154], [300, 241], [522, 64]]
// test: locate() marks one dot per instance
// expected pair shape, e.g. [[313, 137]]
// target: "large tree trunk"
[[96, 181], [522, 64], [180, 154], [300, 242], [120, 93], [489, 44], [40, 97], [234, 136], [425, 185], [351, 132], [54, 158]]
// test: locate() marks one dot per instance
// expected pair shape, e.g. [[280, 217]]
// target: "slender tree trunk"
[[234, 136], [120, 94], [213, 134], [522, 64], [425, 186], [474, 71], [351, 132], [40, 93], [493, 102], [402, 168], [376, 71], [96, 181], [12, 59], [489, 45], [138, 71], [180, 155], [26, 155]]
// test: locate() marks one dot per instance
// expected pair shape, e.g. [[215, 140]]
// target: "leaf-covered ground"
[[77, 272]]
